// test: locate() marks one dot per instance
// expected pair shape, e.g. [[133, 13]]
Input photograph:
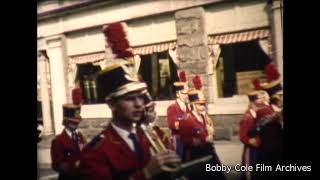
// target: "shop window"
[[236, 59], [159, 72], [86, 77]]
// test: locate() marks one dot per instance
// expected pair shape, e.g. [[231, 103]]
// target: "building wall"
[[229, 17], [152, 30], [81, 42], [220, 18], [112, 13], [140, 32], [47, 6]]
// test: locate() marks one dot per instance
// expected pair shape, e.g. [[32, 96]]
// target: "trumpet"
[[158, 147]]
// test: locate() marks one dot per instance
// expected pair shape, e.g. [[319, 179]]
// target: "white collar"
[[182, 105], [253, 113], [122, 132], [275, 108], [198, 117], [69, 132]]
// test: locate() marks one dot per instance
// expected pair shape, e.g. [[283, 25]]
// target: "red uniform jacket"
[[109, 157], [246, 123], [192, 128], [175, 113], [64, 154]]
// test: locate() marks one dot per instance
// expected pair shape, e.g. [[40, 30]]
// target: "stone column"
[[57, 56], [44, 92], [277, 33], [192, 49]]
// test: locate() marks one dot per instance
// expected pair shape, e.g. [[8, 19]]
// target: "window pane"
[[240, 57], [145, 70], [168, 75], [159, 72], [86, 75], [229, 77]]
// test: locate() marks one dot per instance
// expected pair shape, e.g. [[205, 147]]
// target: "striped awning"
[[98, 56], [154, 48], [87, 58], [238, 37]]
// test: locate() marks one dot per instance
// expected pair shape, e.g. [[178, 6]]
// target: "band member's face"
[[72, 125], [264, 96], [278, 100], [259, 101], [183, 96], [129, 107], [150, 113], [252, 105], [201, 107]]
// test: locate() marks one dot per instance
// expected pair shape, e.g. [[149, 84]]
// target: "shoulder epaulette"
[[96, 140]]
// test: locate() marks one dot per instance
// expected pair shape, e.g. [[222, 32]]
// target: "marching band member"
[[197, 132], [66, 147], [150, 117], [257, 98], [122, 150], [178, 111], [274, 89]]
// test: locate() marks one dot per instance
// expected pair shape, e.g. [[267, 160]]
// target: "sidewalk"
[[229, 153]]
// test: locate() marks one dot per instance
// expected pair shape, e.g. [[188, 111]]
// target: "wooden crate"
[[244, 80]]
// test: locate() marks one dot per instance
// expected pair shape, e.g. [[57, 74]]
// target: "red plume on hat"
[[77, 96], [272, 72], [257, 85], [116, 38], [197, 82], [182, 76]]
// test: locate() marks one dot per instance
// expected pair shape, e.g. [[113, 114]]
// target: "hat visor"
[[271, 84], [184, 91], [200, 102], [277, 95], [127, 88]]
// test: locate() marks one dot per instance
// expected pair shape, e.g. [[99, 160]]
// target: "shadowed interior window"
[[239, 57], [159, 72]]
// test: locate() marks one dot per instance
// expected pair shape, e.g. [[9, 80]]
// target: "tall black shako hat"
[[116, 81], [196, 95], [181, 85], [119, 78], [254, 95], [71, 113]]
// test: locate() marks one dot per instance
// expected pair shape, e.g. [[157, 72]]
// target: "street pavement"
[[229, 153]]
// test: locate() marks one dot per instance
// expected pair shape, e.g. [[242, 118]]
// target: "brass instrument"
[[177, 171], [209, 127], [157, 147]]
